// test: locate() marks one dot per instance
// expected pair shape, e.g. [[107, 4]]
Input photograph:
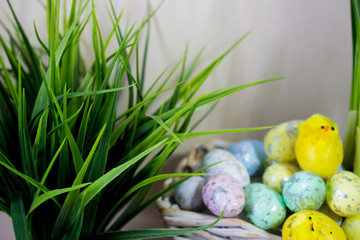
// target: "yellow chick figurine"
[[311, 225], [318, 146]]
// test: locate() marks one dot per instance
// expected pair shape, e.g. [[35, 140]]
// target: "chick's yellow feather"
[[318, 146]]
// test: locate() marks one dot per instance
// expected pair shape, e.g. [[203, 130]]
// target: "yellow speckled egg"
[[279, 142], [268, 162], [328, 212], [351, 227], [343, 193], [309, 224], [277, 174]]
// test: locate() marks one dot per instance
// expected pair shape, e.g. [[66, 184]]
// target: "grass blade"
[[19, 217], [53, 193], [91, 191]]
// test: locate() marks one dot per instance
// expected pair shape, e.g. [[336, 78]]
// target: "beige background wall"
[[307, 42]]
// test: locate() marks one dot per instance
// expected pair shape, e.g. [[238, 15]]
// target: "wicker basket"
[[226, 228]]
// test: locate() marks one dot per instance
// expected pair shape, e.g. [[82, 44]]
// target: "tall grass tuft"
[[69, 162]]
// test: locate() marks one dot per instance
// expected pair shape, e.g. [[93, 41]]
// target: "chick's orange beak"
[[326, 128]]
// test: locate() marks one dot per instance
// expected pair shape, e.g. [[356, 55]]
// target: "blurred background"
[[306, 42]]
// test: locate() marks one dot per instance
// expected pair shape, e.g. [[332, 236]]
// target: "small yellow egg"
[[279, 142], [351, 227], [309, 224], [277, 174], [343, 193], [268, 162]]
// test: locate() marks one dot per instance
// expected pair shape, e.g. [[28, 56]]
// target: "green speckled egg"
[[304, 190], [278, 174], [279, 142], [264, 207], [343, 193], [351, 227]]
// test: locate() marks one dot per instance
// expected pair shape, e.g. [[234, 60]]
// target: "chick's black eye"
[[332, 128], [322, 127]]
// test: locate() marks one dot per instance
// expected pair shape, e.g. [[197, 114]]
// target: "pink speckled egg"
[[221, 191]]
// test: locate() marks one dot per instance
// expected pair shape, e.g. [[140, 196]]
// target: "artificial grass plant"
[[352, 143], [69, 162]]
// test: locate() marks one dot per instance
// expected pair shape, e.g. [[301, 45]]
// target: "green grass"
[[69, 162], [351, 141]]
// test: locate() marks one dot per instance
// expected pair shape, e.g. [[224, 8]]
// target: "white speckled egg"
[[251, 153], [279, 142], [263, 206], [351, 227], [343, 193], [188, 194], [230, 166], [278, 174], [221, 191], [304, 190]]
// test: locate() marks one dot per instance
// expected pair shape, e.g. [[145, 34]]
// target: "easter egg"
[[264, 207], [251, 153], [351, 227], [268, 162], [230, 166], [343, 193], [223, 191], [279, 142], [188, 194], [278, 174], [328, 212], [308, 224], [341, 168], [304, 190]]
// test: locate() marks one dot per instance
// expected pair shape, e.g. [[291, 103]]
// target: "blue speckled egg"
[[264, 207], [304, 190], [279, 142], [188, 194], [230, 166], [251, 153], [341, 168]]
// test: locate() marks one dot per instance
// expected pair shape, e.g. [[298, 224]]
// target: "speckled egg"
[[251, 153], [188, 194], [328, 212], [230, 166], [304, 190], [311, 225], [343, 193], [264, 207], [351, 227], [278, 174], [221, 191], [279, 142], [268, 162]]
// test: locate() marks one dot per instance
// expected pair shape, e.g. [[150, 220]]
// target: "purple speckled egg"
[[222, 190]]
